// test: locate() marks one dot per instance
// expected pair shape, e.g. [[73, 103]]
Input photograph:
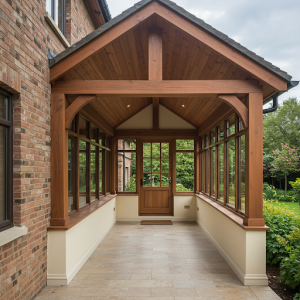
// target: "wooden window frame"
[[207, 147], [136, 162], [8, 124], [106, 165]]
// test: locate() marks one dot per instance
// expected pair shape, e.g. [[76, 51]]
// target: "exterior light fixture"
[[128, 105], [183, 105]]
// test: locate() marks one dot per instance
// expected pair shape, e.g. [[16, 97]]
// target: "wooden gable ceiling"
[[184, 58]]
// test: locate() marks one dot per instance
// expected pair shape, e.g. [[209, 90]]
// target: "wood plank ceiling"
[[184, 58]]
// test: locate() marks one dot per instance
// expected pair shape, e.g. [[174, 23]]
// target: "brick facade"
[[25, 38]]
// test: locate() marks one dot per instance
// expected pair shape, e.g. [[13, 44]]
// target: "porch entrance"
[[156, 197]]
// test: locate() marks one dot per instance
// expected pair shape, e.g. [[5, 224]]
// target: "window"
[[127, 165], [87, 166], [223, 163], [57, 10], [185, 157], [6, 146]]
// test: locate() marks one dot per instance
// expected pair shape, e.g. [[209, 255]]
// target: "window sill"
[[127, 194], [12, 234], [231, 215], [55, 28], [184, 194], [82, 214]]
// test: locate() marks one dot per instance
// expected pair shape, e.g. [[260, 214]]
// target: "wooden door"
[[156, 192]]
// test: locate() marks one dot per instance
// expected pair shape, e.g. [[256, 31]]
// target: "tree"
[[282, 125], [285, 161]]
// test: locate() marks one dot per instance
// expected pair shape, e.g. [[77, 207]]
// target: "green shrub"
[[281, 221], [271, 193]]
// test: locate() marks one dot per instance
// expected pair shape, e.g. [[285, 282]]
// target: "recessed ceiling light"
[[183, 105], [128, 105]]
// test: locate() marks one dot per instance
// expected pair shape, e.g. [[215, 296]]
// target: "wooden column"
[[114, 167], [254, 162], [59, 162]]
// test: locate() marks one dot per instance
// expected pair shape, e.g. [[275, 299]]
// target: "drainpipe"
[[105, 10], [290, 85]]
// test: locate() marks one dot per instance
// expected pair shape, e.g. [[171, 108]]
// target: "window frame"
[[8, 223], [106, 165], [63, 14], [207, 147]]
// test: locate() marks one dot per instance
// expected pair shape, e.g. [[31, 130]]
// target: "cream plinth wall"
[[69, 250], [128, 209], [244, 251]]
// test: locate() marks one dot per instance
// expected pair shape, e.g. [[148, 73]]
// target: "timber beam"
[[156, 133], [156, 88]]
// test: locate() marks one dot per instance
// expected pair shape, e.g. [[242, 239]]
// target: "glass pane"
[[164, 179], [108, 172], [231, 126], [155, 149], [71, 173], [165, 165], [213, 137], [184, 171], [3, 107], [82, 173], [155, 165], [127, 144], [3, 134], [221, 132], [221, 172], [203, 172], [94, 134], [164, 149], [101, 172], [206, 141], [241, 127], [156, 180], [147, 165], [242, 170], [146, 150], [184, 144], [101, 138], [207, 163], [127, 172], [93, 173], [231, 172], [73, 125], [213, 171], [202, 143], [147, 180], [83, 127], [107, 145]]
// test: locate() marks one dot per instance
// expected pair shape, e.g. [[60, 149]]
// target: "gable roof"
[[182, 12]]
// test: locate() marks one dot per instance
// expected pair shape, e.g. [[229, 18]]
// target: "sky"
[[270, 28]]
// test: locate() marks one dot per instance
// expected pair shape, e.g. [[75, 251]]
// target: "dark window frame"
[[8, 223]]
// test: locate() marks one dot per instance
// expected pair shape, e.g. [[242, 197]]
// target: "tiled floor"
[[174, 262]]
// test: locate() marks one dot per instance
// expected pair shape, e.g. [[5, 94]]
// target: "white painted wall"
[[144, 120], [244, 251], [69, 250]]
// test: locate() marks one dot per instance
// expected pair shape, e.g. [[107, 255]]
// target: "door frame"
[[172, 160]]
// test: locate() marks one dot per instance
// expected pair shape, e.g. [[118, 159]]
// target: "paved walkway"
[[174, 262]]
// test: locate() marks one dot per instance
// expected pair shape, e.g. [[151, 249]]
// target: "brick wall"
[[25, 38], [79, 22]]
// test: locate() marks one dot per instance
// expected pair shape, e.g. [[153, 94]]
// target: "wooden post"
[[59, 162], [114, 165], [254, 162]]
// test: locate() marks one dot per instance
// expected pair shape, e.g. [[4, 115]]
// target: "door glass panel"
[[164, 149], [164, 179], [221, 172], [165, 165], [147, 165], [147, 150], [155, 165], [147, 180], [156, 180], [155, 149], [231, 173]]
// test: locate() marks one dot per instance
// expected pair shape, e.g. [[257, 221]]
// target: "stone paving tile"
[[136, 262]]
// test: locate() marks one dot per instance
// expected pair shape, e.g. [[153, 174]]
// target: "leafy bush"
[[290, 265], [296, 186], [281, 221], [270, 193]]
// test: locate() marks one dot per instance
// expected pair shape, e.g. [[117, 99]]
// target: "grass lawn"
[[292, 206]]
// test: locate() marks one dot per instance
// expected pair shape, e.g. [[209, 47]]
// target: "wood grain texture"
[[59, 162], [254, 163], [237, 106], [155, 55], [74, 108], [157, 222], [156, 133], [156, 88]]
